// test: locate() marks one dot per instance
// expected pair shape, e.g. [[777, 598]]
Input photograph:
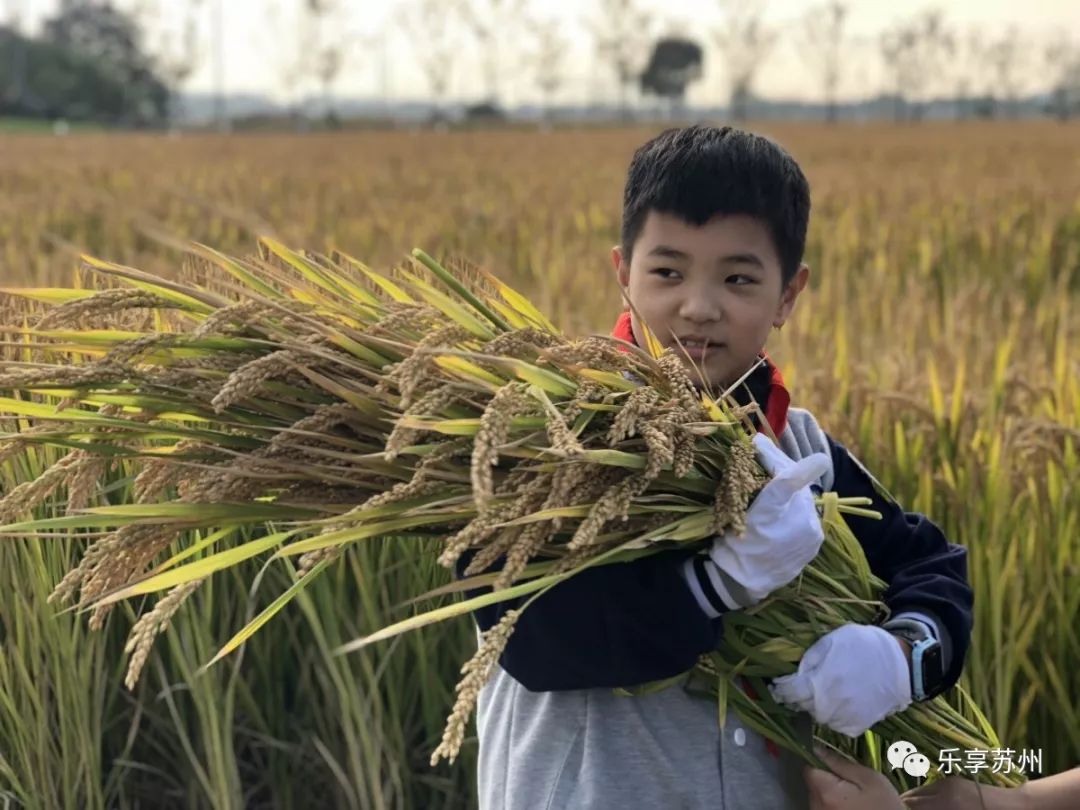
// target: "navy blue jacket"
[[630, 623]]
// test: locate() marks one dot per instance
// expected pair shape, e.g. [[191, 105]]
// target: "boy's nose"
[[698, 310]]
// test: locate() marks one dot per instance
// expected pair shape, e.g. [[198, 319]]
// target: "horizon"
[[397, 79]]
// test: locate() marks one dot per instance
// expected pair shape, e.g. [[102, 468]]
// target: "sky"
[[381, 63]]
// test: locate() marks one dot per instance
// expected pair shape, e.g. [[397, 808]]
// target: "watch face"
[[932, 672]]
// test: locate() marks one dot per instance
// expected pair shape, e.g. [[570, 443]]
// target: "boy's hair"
[[699, 171]]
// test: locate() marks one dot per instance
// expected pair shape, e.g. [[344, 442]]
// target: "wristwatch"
[[927, 673]]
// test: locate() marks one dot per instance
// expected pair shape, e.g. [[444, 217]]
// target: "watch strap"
[[922, 640]]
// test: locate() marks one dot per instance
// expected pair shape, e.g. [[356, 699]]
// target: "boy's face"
[[720, 281]]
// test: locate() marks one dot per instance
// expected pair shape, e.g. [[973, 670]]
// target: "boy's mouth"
[[697, 350], [696, 341]]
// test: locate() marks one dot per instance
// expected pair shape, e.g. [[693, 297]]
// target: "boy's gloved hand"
[[849, 679], [783, 530]]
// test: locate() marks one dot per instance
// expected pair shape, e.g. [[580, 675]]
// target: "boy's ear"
[[622, 270], [790, 293]]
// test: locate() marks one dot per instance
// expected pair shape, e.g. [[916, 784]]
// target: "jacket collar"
[[765, 384]]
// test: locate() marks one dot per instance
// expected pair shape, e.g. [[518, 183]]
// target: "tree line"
[[93, 60]]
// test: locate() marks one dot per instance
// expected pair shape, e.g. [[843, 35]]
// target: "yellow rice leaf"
[[362, 532], [107, 338], [521, 304], [649, 688], [468, 426], [190, 299], [198, 569], [461, 367], [179, 511], [48, 295], [598, 406], [783, 649], [984, 726], [581, 510], [449, 307], [722, 699], [236, 270], [30, 527], [319, 276], [359, 401], [45, 410], [655, 348], [131, 402], [714, 411], [304, 297], [609, 379], [194, 548], [385, 284], [353, 292], [267, 613], [449, 427], [512, 317], [451, 281], [449, 612], [549, 381]]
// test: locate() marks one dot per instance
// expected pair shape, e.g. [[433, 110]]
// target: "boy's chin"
[[710, 380], [718, 375]]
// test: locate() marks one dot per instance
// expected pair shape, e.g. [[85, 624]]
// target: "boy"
[[714, 228]]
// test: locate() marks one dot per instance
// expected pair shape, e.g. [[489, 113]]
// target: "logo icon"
[[902, 754]]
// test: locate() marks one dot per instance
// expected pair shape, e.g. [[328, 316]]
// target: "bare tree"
[[491, 22], [968, 70], [914, 52], [176, 53], [306, 44], [331, 40], [546, 60], [1061, 58], [622, 32], [1005, 62], [435, 39], [822, 47], [1070, 91], [283, 44], [744, 41]]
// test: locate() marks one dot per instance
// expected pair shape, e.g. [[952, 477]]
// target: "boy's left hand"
[[849, 679]]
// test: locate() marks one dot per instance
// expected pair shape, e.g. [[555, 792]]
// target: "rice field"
[[939, 339]]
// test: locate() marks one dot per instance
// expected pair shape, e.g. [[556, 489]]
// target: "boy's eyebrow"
[[743, 258], [668, 252]]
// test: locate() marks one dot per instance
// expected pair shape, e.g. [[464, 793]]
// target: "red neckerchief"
[[776, 406]]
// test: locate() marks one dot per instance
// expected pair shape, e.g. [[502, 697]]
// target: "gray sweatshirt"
[[591, 749]]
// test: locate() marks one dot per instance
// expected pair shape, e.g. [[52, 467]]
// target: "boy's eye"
[[738, 279]]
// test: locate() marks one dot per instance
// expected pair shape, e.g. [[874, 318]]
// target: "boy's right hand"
[[783, 530]]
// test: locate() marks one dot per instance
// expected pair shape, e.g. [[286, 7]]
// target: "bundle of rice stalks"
[[306, 403]]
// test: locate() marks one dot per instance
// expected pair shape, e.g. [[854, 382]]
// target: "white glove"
[[849, 679], [783, 530]]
